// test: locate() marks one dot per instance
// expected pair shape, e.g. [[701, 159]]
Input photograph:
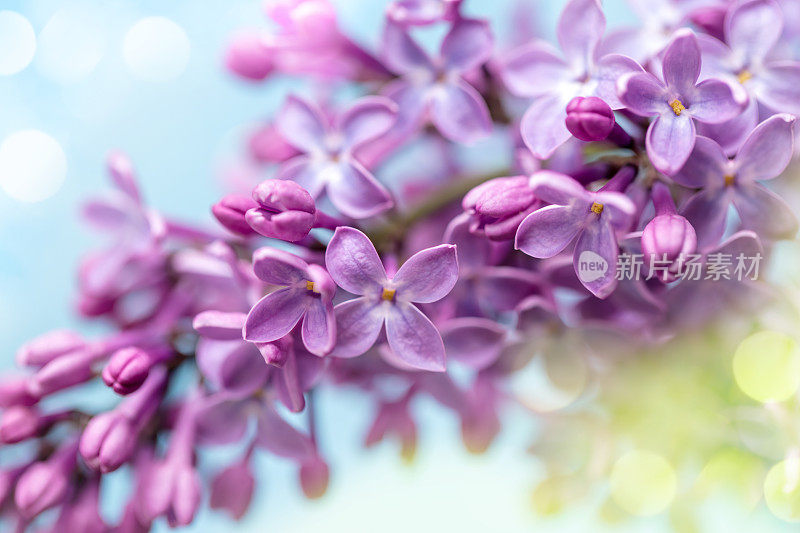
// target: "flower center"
[[677, 107], [596, 208], [309, 285], [388, 295], [729, 178], [744, 76]]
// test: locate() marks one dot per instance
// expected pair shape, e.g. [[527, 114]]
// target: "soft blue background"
[[178, 134]]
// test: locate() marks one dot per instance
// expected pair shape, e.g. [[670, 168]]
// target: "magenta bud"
[[232, 489], [286, 211], [249, 56], [66, 371], [268, 146], [499, 205], [45, 484], [230, 211], [276, 353], [127, 369], [108, 441], [668, 238], [19, 423], [589, 119], [16, 391], [314, 477], [49, 346]]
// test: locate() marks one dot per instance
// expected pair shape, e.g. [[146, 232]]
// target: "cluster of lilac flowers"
[[367, 248]]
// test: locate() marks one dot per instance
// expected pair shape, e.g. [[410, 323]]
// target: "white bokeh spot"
[[17, 42], [32, 166], [71, 45], [156, 49]]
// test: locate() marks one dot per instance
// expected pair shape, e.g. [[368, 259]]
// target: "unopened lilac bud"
[[64, 372], [249, 56], [19, 423], [669, 237], [16, 391], [108, 441], [314, 477], [499, 205], [589, 119], [286, 211], [49, 346], [232, 489], [46, 483], [230, 211], [126, 370]]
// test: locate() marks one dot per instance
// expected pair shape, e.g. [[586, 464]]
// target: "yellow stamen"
[[596, 208], [388, 294], [729, 179], [744, 76], [677, 107], [309, 285]]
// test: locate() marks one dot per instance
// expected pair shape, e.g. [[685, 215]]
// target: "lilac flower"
[[426, 277], [328, 161], [422, 12], [593, 218], [435, 89], [763, 156], [309, 296], [677, 102], [536, 70]]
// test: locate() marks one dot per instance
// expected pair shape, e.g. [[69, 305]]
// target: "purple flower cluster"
[[376, 251]]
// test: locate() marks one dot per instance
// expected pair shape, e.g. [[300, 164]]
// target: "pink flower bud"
[[668, 238], [590, 119], [62, 373], [49, 346], [46, 483], [499, 205], [314, 476], [19, 423], [108, 441], [126, 370], [16, 391], [249, 56], [232, 489], [230, 211], [286, 211]]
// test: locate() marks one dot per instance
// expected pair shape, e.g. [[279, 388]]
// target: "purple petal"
[[277, 267], [642, 93], [413, 338], [670, 140], [752, 29], [356, 193], [779, 87], [281, 438], [765, 212], [580, 28], [547, 231], [353, 263], [707, 212], [303, 172], [319, 327], [231, 365], [609, 70], [219, 325], [534, 70], [358, 323], [681, 65], [714, 101], [302, 125], [411, 101], [731, 134], [476, 342], [288, 385], [401, 54], [543, 125], [467, 45], [597, 245], [428, 275], [556, 188], [473, 250], [767, 151], [618, 209], [369, 118], [222, 421], [706, 166], [744, 242], [504, 288], [276, 314], [460, 112], [232, 490]]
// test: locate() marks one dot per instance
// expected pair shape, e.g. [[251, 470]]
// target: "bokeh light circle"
[[766, 366], [643, 483], [156, 49], [782, 490], [71, 45], [32, 166], [17, 42]]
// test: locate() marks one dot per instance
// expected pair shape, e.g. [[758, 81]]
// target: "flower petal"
[[765, 212], [767, 151], [467, 45], [752, 29], [401, 53], [642, 93], [543, 125], [368, 118], [278, 267], [413, 338], [356, 193], [534, 70], [681, 65], [707, 212], [353, 263], [609, 70], [706, 166], [476, 342], [778, 87], [580, 28], [597, 241], [301, 124], [276, 314], [358, 323], [234, 366], [556, 188], [281, 438], [412, 106], [460, 113], [547, 231], [319, 327], [219, 325], [428, 275], [714, 101], [304, 172], [504, 288], [732, 133], [670, 140]]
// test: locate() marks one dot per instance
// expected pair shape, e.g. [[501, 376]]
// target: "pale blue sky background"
[[178, 133]]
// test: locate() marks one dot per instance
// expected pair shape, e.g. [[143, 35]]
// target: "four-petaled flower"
[[677, 102], [427, 276]]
